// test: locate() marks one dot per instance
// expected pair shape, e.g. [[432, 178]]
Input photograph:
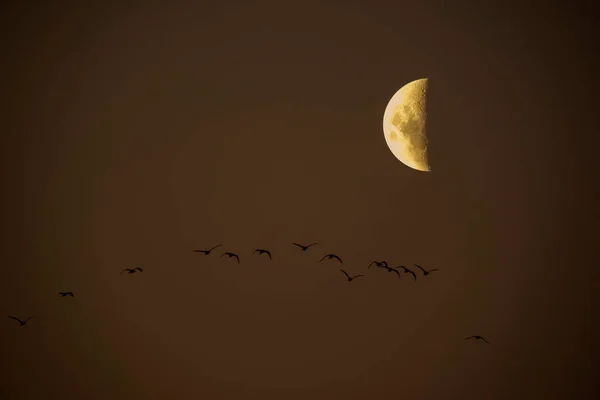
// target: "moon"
[[404, 125]]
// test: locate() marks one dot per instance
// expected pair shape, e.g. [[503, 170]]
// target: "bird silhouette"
[[304, 248], [425, 272], [231, 255], [63, 294], [330, 257], [350, 278], [263, 251], [477, 337], [132, 271], [207, 252], [408, 271], [21, 323], [378, 264], [390, 269]]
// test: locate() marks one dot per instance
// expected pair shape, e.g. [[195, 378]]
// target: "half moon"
[[404, 125]]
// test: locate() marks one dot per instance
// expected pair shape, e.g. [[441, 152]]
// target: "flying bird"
[[231, 255], [350, 278], [263, 251], [304, 248], [63, 294], [132, 271], [408, 271], [390, 269], [477, 337], [378, 264], [330, 257], [207, 252], [21, 323], [425, 272]]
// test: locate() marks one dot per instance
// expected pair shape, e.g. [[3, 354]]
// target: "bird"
[[21, 323], [231, 255], [132, 271], [378, 264], [390, 269], [304, 248], [63, 294], [477, 337], [207, 252], [425, 272], [408, 271], [331, 256], [263, 251], [350, 278]]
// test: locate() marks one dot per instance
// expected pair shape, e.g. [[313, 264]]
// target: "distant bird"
[[330, 257], [231, 255], [425, 272], [477, 337], [350, 278], [21, 323], [378, 264], [263, 251], [390, 269], [207, 252], [131, 271], [304, 248], [63, 294], [408, 271]]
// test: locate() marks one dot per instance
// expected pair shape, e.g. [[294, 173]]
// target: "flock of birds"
[[378, 264]]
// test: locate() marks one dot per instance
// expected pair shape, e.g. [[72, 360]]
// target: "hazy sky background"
[[135, 132]]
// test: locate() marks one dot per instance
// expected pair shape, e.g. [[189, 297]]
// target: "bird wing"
[[345, 273], [299, 245], [312, 244], [71, 294], [357, 276], [435, 269], [482, 338], [418, 266], [470, 337], [255, 251], [236, 256], [199, 251], [324, 257], [27, 319], [139, 269], [373, 262], [269, 253], [126, 269], [413, 274], [212, 248], [339, 259], [224, 254], [15, 318], [396, 271]]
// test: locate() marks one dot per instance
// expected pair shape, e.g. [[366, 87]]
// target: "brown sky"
[[133, 133]]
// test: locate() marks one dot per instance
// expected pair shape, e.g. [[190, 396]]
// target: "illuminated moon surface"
[[404, 125]]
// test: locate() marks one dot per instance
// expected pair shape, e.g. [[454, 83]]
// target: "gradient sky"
[[135, 132]]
